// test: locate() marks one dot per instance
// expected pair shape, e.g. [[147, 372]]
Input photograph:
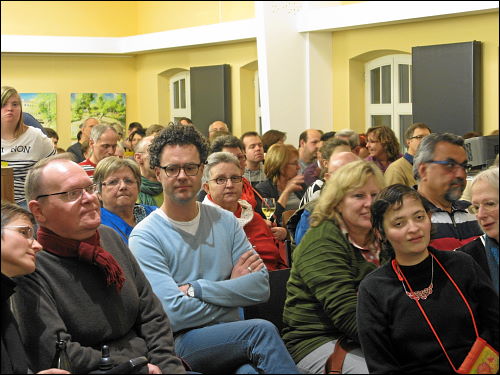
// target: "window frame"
[[395, 109], [177, 113]]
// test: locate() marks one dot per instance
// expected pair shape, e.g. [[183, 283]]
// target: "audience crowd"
[[153, 241]]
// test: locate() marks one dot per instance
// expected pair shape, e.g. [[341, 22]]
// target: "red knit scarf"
[[88, 251]]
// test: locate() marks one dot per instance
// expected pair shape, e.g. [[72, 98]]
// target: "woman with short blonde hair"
[[118, 184]]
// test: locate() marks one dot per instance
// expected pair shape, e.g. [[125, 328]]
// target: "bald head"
[[87, 126], [74, 214], [143, 144], [141, 156], [217, 126], [338, 160]]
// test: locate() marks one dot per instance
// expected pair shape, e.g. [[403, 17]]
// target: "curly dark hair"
[[226, 141], [177, 135]]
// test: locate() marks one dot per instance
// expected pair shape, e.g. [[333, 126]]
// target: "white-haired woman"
[[484, 198], [223, 183]]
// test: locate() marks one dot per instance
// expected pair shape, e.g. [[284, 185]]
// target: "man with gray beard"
[[440, 168]]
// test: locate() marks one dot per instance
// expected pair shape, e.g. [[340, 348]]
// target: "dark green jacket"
[[322, 290]]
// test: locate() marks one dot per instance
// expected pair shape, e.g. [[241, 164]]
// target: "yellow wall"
[[115, 18], [137, 76], [352, 48], [154, 69], [156, 16], [70, 18], [64, 75]]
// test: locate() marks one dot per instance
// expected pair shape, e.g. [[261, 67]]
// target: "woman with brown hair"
[[22, 145], [423, 311], [284, 184], [383, 146], [19, 251]]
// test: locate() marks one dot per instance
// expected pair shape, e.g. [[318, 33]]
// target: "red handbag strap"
[[400, 274]]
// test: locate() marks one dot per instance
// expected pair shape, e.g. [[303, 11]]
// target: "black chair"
[[272, 310]]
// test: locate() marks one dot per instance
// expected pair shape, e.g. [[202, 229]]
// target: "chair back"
[[272, 310]]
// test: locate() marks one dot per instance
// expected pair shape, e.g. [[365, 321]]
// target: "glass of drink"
[[268, 207]]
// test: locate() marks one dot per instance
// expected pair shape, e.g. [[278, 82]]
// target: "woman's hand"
[[295, 183], [279, 233], [153, 369], [54, 371]]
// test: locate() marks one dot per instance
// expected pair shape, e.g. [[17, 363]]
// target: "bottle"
[[106, 362], [61, 358]]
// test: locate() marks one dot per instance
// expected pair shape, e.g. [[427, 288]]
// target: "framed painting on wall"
[[42, 106], [107, 108]]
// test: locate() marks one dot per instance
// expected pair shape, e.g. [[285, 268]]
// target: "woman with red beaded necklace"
[[394, 333]]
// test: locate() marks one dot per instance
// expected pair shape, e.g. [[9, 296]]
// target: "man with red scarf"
[[87, 288]]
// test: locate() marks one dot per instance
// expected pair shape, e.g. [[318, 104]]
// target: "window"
[[180, 96], [388, 93]]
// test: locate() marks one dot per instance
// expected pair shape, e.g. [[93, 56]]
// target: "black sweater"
[[68, 296], [14, 360], [395, 336]]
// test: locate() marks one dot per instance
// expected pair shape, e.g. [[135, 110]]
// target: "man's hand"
[[249, 262], [184, 289]]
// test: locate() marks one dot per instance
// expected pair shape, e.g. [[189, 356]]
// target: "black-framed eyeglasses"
[[418, 137], [173, 170], [25, 230], [223, 180], [452, 165], [73, 195]]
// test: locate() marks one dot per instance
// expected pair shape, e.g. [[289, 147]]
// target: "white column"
[[295, 75], [319, 81]]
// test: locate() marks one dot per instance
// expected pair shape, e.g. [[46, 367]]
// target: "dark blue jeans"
[[244, 347]]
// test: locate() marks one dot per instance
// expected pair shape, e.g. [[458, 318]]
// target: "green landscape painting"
[[42, 106], [106, 108]]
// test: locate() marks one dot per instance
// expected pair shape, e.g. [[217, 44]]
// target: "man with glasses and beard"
[[440, 168]]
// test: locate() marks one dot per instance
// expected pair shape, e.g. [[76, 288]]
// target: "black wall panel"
[[446, 87], [210, 95]]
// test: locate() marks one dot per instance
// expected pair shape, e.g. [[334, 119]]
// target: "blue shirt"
[[121, 226]]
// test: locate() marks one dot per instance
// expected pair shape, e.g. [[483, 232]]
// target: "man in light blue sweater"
[[203, 269]]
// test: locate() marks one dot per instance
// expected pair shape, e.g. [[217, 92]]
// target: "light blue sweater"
[[170, 257]]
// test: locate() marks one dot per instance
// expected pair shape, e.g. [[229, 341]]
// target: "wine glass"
[[268, 207]]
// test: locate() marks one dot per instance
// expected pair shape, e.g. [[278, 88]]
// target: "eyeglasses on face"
[[73, 195], [452, 165], [241, 157], [116, 181], [173, 170], [25, 230], [223, 180], [487, 206]]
